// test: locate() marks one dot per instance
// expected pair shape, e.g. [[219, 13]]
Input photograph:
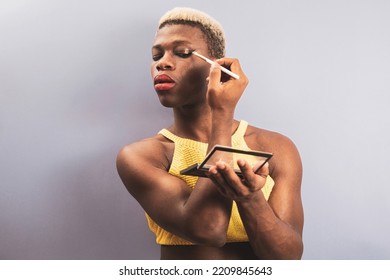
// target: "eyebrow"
[[174, 43]]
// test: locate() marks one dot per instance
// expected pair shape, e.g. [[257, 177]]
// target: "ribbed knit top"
[[188, 152]]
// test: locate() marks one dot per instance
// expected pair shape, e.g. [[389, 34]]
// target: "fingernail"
[[214, 65]]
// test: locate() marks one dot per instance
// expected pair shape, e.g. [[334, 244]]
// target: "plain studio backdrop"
[[75, 87]]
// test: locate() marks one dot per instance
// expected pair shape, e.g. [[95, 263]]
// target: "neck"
[[194, 123]]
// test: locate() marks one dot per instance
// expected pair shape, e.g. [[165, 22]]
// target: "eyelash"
[[156, 57], [181, 54], [184, 54]]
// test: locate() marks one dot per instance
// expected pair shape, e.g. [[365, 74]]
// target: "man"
[[223, 216]]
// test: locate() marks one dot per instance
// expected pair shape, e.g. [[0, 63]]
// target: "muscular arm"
[[200, 216], [274, 227]]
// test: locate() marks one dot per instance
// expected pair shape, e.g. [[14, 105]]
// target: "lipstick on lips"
[[163, 82]]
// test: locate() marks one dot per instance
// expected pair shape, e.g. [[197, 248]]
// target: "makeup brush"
[[223, 69]]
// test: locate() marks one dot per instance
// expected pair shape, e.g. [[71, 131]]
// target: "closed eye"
[[156, 57], [184, 53]]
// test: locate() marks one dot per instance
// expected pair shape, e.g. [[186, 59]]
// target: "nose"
[[166, 62]]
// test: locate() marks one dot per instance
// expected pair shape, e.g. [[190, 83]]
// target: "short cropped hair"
[[211, 28]]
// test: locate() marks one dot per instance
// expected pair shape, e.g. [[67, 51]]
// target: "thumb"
[[264, 170]]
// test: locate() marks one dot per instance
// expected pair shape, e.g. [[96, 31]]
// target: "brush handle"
[[230, 73], [223, 69]]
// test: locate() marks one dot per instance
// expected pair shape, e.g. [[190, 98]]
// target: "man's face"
[[179, 77]]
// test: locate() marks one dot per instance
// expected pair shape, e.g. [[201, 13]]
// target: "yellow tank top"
[[186, 153]]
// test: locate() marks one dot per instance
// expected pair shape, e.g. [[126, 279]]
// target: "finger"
[[264, 170], [246, 167], [253, 180], [232, 64], [216, 177], [230, 177], [214, 76], [247, 172]]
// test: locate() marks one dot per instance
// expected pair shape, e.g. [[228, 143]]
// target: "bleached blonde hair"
[[211, 28]]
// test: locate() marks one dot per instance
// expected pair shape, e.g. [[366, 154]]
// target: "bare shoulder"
[[154, 150], [285, 153], [148, 154]]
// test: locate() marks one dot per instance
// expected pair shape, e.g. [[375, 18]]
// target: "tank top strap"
[[169, 135], [238, 136], [241, 129], [183, 143]]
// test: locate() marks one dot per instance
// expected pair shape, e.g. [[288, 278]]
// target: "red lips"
[[163, 82], [160, 79]]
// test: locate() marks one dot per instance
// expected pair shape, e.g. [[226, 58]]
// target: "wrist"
[[221, 127], [222, 113], [222, 119], [255, 198]]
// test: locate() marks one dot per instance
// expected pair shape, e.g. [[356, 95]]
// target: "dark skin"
[[203, 109]]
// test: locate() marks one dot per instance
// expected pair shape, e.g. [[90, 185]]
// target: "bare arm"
[[202, 215], [274, 227], [168, 200]]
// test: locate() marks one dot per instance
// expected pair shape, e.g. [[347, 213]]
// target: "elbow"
[[295, 252], [211, 242], [210, 234], [298, 252], [215, 239], [211, 239]]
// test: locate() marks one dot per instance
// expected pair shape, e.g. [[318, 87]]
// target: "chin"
[[166, 103]]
